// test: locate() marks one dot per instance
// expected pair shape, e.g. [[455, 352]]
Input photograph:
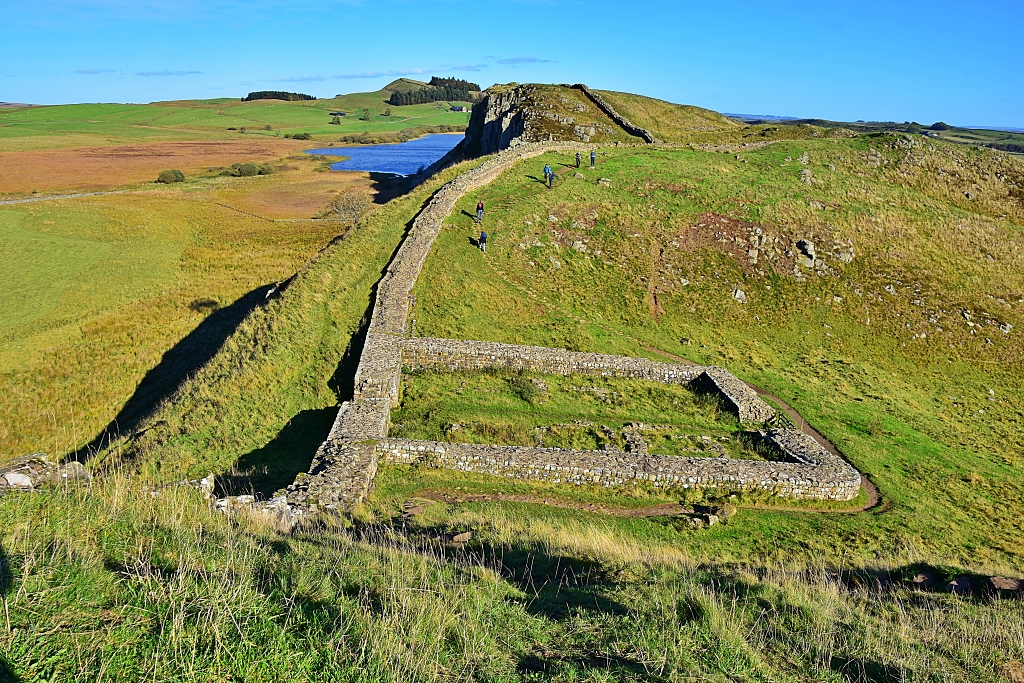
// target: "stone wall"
[[616, 116], [830, 479], [344, 467], [456, 354]]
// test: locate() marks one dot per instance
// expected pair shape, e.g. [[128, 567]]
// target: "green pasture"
[[120, 123]]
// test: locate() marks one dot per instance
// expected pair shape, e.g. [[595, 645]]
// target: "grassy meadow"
[[899, 342], [112, 301], [110, 124]]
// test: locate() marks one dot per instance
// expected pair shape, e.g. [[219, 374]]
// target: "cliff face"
[[512, 115], [508, 116]]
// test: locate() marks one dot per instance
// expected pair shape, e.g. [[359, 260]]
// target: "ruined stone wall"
[[831, 479], [456, 354], [346, 463], [615, 116]]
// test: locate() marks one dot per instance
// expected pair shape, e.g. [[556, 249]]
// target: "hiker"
[[547, 175], [483, 241], [593, 158], [579, 158], [551, 180], [480, 212]]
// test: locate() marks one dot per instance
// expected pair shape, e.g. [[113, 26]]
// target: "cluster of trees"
[[454, 83], [276, 95], [299, 136], [170, 176], [249, 169], [445, 93]]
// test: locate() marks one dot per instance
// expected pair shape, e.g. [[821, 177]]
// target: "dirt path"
[[659, 510], [28, 200]]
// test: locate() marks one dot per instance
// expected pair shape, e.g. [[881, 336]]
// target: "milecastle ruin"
[[345, 465]]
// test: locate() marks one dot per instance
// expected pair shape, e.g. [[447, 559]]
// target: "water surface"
[[404, 158]]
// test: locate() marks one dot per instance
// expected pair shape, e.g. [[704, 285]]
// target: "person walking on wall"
[[579, 157], [483, 241], [593, 158], [480, 212]]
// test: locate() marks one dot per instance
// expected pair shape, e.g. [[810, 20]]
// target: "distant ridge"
[[14, 105]]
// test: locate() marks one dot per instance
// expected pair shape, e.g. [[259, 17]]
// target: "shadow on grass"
[[7, 673], [387, 186], [177, 364], [268, 469], [860, 671]]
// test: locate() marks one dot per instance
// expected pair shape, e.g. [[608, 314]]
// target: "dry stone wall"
[[618, 118], [829, 479], [474, 355], [345, 465]]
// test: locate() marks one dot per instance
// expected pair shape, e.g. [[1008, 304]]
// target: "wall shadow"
[[266, 470], [387, 186], [178, 363], [7, 672]]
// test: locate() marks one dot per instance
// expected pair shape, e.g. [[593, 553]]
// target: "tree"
[[387, 112], [171, 176], [336, 121], [349, 208], [365, 115]]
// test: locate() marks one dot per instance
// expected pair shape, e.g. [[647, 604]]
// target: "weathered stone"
[[74, 471], [1000, 583], [739, 295], [726, 511], [17, 480]]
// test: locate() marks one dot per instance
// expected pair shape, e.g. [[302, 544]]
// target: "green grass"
[[582, 412], [104, 124], [838, 346], [669, 122], [115, 584]]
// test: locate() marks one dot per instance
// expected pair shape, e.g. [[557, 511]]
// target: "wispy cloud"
[[468, 67], [380, 74], [94, 71], [167, 73], [302, 79], [525, 60]]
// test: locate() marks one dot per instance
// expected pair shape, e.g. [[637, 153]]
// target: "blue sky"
[[923, 61]]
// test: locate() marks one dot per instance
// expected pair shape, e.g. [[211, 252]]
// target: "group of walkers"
[[549, 179]]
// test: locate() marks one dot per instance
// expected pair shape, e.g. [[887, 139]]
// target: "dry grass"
[[84, 169]]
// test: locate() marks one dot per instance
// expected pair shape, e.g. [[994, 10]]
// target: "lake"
[[404, 158]]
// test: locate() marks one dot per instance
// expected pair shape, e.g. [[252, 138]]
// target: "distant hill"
[[405, 85], [276, 95]]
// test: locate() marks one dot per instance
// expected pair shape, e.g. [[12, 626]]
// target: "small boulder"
[[726, 511], [464, 537], [711, 520], [74, 471], [579, 176], [604, 182], [1000, 583], [739, 295], [17, 480]]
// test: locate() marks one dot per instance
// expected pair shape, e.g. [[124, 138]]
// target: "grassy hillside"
[[109, 301], [290, 354], [669, 122], [905, 357]]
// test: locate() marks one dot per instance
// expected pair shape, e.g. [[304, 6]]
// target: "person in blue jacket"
[[483, 241]]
